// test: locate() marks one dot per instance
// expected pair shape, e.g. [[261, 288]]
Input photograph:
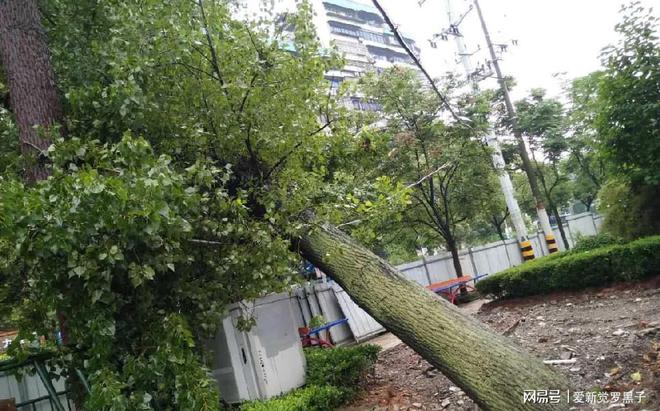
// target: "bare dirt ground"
[[612, 334]]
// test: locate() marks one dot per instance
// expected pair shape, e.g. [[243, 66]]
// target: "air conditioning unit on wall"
[[263, 362]]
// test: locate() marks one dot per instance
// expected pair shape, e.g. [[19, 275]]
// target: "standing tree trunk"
[[492, 370], [553, 208], [453, 249], [500, 231], [33, 97], [32, 93], [564, 238]]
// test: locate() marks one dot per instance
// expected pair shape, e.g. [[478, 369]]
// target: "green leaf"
[[148, 272]]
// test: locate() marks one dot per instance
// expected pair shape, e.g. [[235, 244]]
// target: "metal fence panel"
[[416, 272], [362, 324], [497, 256], [441, 268], [466, 263], [598, 223], [559, 240], [582, 224], [492, 258], [299, 299], [513, 252], [30, 387], [332, 311]]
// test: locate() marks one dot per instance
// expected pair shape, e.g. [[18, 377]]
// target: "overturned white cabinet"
[[261, 363]]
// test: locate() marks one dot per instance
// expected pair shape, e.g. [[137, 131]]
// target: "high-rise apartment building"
[[359, 32]]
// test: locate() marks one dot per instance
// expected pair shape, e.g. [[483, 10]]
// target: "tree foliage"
[[114, 241], [627, 125], [629, 98], [584, 162], [195, 141], [449, 170]]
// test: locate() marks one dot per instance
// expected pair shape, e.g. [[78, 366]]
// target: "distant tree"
[[542, 121], [627, 115], [451, 168], [584, 160]]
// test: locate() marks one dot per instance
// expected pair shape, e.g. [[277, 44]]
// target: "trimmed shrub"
[[576, 270], [333, 377], [595, 241], [341, 367], [312, 398]]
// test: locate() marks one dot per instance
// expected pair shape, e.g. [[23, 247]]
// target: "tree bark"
[[564, 238], [497, 223], [32, 92], [453, 249], [491, 369], [500, 232], [553, 208], [33, 96]]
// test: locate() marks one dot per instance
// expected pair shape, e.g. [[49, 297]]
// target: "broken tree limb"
[[560, 362], [512, 327], [490, 368]]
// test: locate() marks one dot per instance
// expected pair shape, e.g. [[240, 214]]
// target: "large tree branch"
[[279, 163], [253, 155], [431, 326], [215, 62], [429, 175]]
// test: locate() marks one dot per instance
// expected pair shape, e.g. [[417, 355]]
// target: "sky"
[[554, 36]]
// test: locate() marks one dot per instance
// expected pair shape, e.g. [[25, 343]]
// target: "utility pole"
[[526, 163], [498, 160]]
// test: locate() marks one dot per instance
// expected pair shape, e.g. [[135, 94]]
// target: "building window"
[[367, 35], [388, 55], [335, 82], [345, 29], [364, 105]]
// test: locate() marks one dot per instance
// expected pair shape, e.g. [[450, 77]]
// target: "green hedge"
[[591, 242], [333, 377], [576, 270], [341, 367], [312, 398]]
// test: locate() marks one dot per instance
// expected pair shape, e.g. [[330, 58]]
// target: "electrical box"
[[263, 362]]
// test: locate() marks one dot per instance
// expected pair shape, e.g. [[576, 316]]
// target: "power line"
[[412, 55], [526, 163], [506, 186]]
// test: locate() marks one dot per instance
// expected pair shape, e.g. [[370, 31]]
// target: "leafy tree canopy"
[[195, 139], [629, 99]]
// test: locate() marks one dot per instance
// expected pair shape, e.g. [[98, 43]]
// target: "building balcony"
[[353, 21]]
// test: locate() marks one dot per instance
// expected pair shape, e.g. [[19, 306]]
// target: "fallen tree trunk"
[[490, 368]]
